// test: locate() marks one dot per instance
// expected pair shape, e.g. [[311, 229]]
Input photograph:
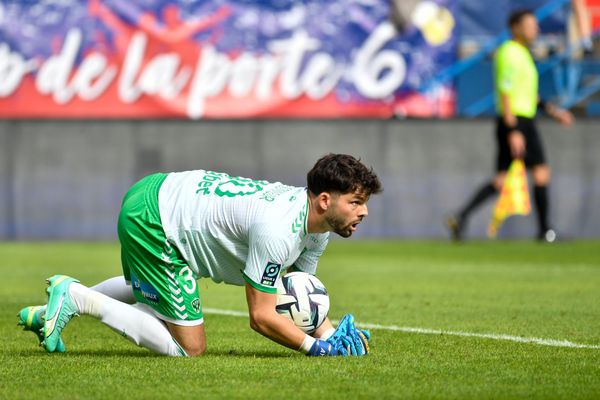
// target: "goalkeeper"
[[178, 227]]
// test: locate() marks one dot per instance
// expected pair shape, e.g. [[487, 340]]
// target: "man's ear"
[[324, 200]]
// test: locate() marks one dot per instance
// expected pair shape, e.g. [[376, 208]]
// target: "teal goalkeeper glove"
[[338, 338], [354, 341], [323, 348], [361, 341]]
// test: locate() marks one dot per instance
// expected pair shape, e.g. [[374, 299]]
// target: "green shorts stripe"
[[159, 276]]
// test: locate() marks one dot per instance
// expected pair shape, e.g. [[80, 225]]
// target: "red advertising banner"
[[215, 59]]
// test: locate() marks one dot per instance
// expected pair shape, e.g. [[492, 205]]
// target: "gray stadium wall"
[[65, 179]]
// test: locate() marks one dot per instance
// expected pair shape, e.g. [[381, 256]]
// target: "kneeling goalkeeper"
[[178, 227]]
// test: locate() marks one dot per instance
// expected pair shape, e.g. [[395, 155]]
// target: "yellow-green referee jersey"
[[516, 76]]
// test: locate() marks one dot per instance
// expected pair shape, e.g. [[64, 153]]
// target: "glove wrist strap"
[[327, 334], [307, 344]]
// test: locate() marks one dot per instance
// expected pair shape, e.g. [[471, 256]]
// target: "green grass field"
[[514, 288]]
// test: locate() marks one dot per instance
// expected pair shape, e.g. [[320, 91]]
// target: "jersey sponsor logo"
[[239, 186], [147, 291], [271, 273], [150, 294], [223, 185], [209, 180], [277, 191]]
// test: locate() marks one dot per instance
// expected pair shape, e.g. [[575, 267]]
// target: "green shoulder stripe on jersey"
[[301, 221], [306, 216], [257, 286]]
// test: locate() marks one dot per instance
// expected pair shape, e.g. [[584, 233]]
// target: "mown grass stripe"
[[427, 331]]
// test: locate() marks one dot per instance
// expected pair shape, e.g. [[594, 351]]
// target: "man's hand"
[[516, 142], [362, 340], [564, 117], [324, 348], [352, 340]]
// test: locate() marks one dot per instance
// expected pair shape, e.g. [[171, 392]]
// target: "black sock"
[[540, 194], [482, 195]]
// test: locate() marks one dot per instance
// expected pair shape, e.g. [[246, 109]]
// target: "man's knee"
[[191, 338], [195, 350]]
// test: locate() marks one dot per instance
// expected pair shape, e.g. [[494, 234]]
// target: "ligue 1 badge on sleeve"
[[271, 273]]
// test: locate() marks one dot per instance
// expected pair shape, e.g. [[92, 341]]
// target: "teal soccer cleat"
[[59, 310], [32, 319]]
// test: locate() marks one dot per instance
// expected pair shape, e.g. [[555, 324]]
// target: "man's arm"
[[516, 140], [504, 76], [510, 120], [265, 320], [267, 253], [560, 115]]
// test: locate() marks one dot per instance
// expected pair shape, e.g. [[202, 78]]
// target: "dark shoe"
[[455, 226]]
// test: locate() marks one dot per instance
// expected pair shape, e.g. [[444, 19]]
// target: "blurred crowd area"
[[567, 53], [573, 24]]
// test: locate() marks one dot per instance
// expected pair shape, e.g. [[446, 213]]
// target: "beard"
[[339, 226]]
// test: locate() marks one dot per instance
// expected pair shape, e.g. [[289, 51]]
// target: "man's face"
[[527, 30], [346, 212]]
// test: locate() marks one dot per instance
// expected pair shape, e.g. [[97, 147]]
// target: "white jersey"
[[235, 229]]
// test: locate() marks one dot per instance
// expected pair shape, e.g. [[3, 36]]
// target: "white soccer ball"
[[303, 299]]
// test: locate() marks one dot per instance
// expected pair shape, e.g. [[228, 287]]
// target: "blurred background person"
[[517, 101], [583, 26]]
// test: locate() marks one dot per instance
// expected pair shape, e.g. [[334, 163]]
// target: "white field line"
[[426, 331]]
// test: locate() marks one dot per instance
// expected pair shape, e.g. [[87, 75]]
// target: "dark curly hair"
[[342, 173]]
